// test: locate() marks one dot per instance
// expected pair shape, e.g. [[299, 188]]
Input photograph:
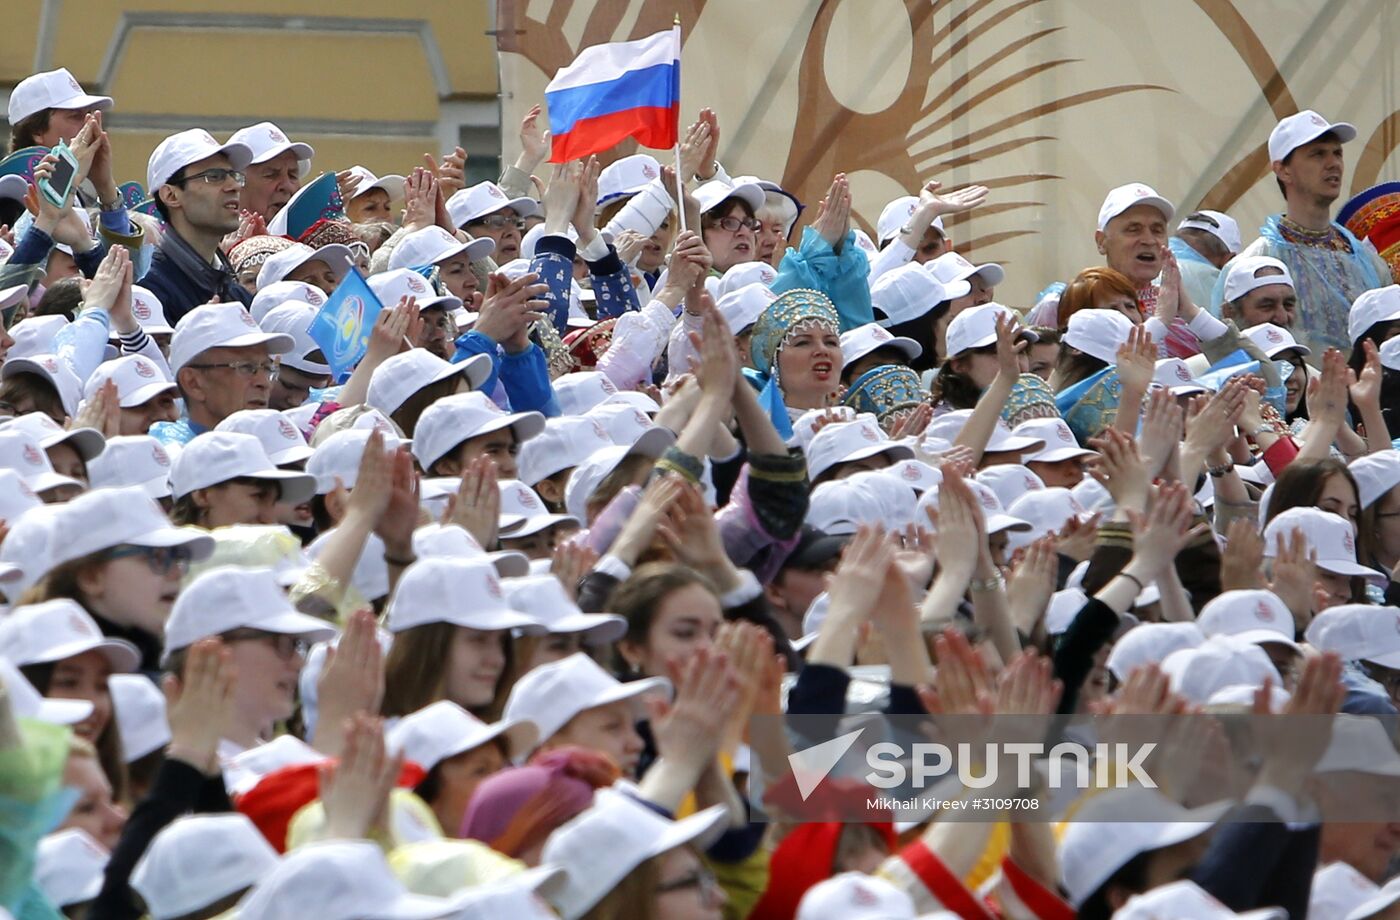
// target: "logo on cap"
[[1264, 612], [1318, 119], [285, 427], [143, 369], [649, 171], [315, 297], [868, 433], [140, 309], [989, 501], [32, 456], [1141, 191], [50, 365], [207, 137], [600, 431], [1063, 431], [881, 334], [77, 624], [276, 135], [493, 586], [74, 84], [911, 473], [495, 192], [247, 318], [864, 897], [607, 386], [640, 418], [1348, 542], [1182, 373], [25, 490], [1273, 335], [416, 285], [159, 455], [527, 500]]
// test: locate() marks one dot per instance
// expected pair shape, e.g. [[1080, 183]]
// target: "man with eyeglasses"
[[485, 211], [222, 363], [196, 183]]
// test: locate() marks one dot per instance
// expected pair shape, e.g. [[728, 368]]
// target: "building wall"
[[366, 83]]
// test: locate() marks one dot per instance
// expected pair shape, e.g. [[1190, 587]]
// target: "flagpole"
[[680, 180]]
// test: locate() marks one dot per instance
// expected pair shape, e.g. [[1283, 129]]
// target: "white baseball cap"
[[69, 867], [281, 440], [451, 541], [1187, 899], [295, 319], [855, 896], [1360, 744], [896, 214], [1064, 606], [1330, 535], [952, 267], [1375, 475], [563, 444], [599, 847], [338, 458], [1009, 481], [371, 575], [220, 325], [132, 460], [26, 556], [218, 456], [180, 150], [452, 420], [627, 176], [485, 198], [197, 860], [909, 291], [839, 507], [1390, 354], [432, 245], [406, 373], [631, 426], [1060, 442], [392, 286], [520, 501], [1249, 615], [52, 369], [858, 342], [1047, 510], [950, 424], [147, 309], [59, 629], [1378, 305], [995, 515], [714, 193], [554, 693], [337, 880], [1174, 375], [285, 261], [1220, 661], [20, 451], [464, 592], [365, 181], [16, 497], [1304, 128], [1358, 632], [1098, 333], [742, 307], [589, 474], [1150, 643], [1337, 890], [52, 89], [582, 390], [1098, 842], [444, 729], [266, 140], [1124, 197], [232, 597], [847, 442], [1275, 340], [139, 707], [544, 600], [1243, 275], [28, 704], [35, 335], [279, 292], [1225, 228], [87, 442], [137, 377], [741, 276], [915, 474], [976, 327]]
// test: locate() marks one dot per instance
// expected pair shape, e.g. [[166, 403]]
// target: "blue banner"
[[343, 325]]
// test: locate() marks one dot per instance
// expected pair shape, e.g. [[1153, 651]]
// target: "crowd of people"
[[479, 626]]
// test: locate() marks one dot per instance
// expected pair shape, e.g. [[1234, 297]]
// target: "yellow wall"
[[362, 81]]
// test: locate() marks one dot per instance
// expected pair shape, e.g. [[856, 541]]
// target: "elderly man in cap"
[[196, 182], [1329, 266], [274, 174], [222, 363]]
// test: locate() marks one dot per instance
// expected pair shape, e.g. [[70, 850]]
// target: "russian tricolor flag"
[[615, 91]]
